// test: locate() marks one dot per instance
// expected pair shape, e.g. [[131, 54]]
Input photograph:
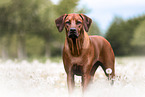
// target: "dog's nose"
[[72, 30]]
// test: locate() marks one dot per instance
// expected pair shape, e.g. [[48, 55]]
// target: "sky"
[[104, 11]]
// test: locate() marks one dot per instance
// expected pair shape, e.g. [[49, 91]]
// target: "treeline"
[[127, 37], [27, 27]]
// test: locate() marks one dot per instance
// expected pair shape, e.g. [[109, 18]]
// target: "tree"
[[94, 29], [66, 7], [24, 17], [115, 36], [139, 35], [5, 28], [46, 27], [120, 35], [27, 27], [138, 41]]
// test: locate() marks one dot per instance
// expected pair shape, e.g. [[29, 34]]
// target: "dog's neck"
[[76, 45]]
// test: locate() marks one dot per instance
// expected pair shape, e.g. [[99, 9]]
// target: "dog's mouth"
[[73, 35]]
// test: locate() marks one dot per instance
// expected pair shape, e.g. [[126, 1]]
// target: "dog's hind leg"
[[94, 68], [109, 71]]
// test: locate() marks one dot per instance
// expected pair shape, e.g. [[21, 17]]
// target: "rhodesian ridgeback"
[[82, 54]]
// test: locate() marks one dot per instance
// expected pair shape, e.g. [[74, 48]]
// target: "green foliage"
[[35, 46], [138, 41], [66, 6], [27, 27], [120, 35], [94, 29], [139, 35], [13, 46], [4, 2]]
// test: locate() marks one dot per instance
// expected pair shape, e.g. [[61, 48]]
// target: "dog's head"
[[74, 24]]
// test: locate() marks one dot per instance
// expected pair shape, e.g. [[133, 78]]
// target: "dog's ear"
[[60, 22], [87, 21]]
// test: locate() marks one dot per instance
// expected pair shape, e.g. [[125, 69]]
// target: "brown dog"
[[82, 54]]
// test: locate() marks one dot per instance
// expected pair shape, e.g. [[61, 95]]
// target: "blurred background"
[[27, 27]]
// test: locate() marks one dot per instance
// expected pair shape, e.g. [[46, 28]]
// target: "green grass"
[[44, 59]]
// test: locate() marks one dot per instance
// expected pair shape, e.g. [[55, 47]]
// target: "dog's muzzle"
[[73, 33]]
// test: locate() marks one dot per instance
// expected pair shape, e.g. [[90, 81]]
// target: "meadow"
[[48, 79]]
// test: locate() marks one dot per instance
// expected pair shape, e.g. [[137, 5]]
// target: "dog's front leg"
[[86, 79], [70, 82]]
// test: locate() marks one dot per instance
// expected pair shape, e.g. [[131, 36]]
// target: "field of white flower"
[[36, 79]]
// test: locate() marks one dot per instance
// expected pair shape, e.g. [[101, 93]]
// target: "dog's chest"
[[77, 69], [79, 61]]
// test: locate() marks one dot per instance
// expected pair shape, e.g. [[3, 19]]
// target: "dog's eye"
[[67, 22], [78, 22]]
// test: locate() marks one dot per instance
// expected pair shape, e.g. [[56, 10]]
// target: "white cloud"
[[111, 3], [55, 1]]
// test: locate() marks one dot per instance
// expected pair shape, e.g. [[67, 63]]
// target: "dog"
[[83, 54]]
